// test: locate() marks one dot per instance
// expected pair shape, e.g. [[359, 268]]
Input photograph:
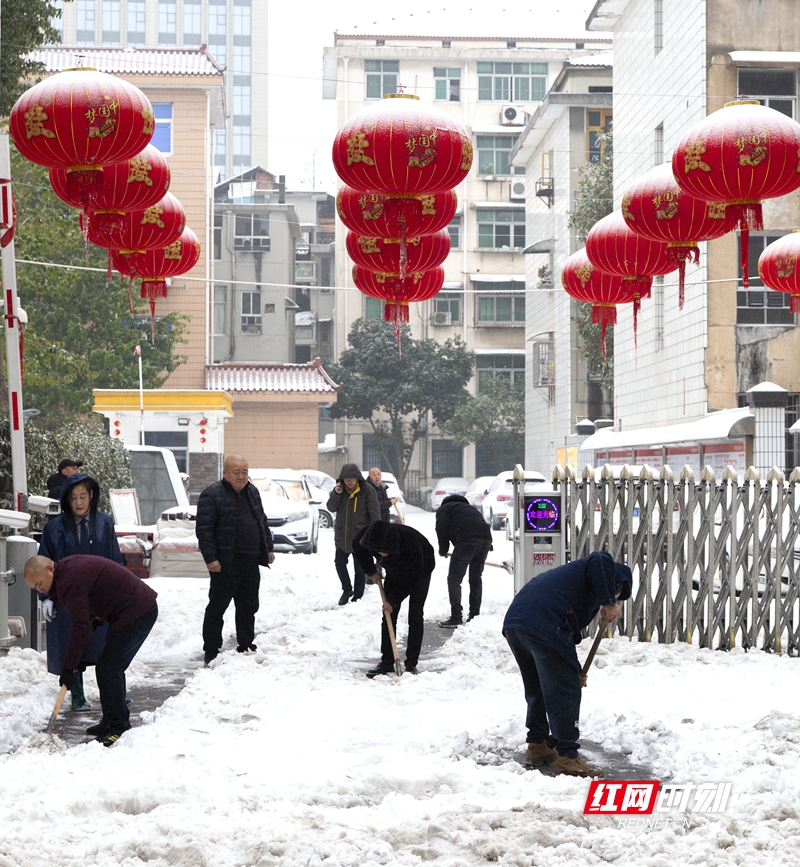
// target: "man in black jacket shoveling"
[[463, 525], [234, 539], [408, 560]]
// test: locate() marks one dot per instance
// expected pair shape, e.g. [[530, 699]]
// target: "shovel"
[[397, 666], [601, 630], [51, 723], [508, 565]]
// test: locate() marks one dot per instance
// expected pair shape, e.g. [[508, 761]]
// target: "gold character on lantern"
[[584, 274], [174, 251], [625, 207], [371, 205], [102, 119], [422, 149], [149, 120], [368, 245], [666, 206], [784, 266], [355, 150], [429, 206], [753, 149], [35, 117], [153, 215], [692, 158], [140, 171], [716, 210]]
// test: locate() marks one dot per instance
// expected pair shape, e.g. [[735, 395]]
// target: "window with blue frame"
[[162, 135]]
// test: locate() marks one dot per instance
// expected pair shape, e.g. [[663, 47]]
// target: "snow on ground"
[[291, 757]]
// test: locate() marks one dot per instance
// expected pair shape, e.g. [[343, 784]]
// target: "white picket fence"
[[715, 562]]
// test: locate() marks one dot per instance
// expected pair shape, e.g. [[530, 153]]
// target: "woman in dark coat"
[[79, 529]]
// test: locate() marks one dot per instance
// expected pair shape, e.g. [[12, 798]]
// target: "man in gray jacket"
[[356, 506]]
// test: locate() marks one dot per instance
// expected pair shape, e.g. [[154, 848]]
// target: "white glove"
[[49, 610]]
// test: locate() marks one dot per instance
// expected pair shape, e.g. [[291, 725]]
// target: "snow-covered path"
[[292, 757]]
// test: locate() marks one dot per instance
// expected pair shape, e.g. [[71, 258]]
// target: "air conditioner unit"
[[441, 318], [517, 191], [513, 115]]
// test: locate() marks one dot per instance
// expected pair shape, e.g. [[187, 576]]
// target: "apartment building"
[[492, 86], [675, 61], [229, 28]]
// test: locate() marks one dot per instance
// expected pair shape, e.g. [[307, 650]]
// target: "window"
[[775, 88], [162, 135], [373, 308], [167, 22], [192, 22], [136, 19], [759, 305], [251, 232], [216, 17], [241, 147], [219, 147], [372, 455], [658, 145], [544, 374], [658, 25], [510, 367], [251, 313], [454, 230], [448, 303], [598, 121], [658, 298], [447, 459], [241, 18], [176, 441], [241, 100], [57, 18], [241, 61], [217, 236], [497, 305], [110, 22], [512, 82], [501, 229], [381, 77], [447, 84], [493, 151], [220, 308], [84, 17]]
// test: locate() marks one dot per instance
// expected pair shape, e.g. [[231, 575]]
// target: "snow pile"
[[292, 757]]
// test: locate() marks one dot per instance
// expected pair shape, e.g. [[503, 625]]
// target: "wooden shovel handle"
[[389, 625], [57, 707], [601, 629]]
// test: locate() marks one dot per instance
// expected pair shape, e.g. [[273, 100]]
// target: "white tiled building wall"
[[659, 385]]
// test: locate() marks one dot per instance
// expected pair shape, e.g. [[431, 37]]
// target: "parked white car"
[[499, 499], [320, 486], [444, 487], [478, 490], [292, 517], [397, 514]]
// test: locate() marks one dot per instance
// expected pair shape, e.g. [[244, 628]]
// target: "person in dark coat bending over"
[[408, 560], [81, 528], [93, 590], [542, 627], [463, 525], [234, 539]]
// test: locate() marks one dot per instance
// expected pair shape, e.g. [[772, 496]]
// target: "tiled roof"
[[118, 61], [270, 376]]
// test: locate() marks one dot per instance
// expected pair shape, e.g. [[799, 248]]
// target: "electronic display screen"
[[542, 514]]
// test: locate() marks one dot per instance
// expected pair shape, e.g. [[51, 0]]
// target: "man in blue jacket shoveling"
[[542, 627]]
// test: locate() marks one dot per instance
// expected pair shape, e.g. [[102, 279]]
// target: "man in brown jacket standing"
[[356, 506]]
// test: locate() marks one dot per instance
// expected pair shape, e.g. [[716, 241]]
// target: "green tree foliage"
[[395, 391], [495, 418], [85, 439], [25, 27], [80, 332], [595, 200]]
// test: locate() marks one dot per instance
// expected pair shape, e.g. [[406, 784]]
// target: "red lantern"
[[612, 247], [398, 291], [584, 282], [381, 215], [158, 225], [155, 266], [386, 254], [81, 120], [739, 155], [133, 184], [402, 146], [778, 267], [655, 207]]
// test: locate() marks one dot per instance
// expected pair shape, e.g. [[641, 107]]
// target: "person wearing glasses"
[[235, 540]]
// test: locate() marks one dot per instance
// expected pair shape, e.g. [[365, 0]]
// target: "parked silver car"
[[444, 487]]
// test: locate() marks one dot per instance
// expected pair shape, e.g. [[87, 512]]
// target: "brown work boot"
[[574, 767], [538, 755]]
